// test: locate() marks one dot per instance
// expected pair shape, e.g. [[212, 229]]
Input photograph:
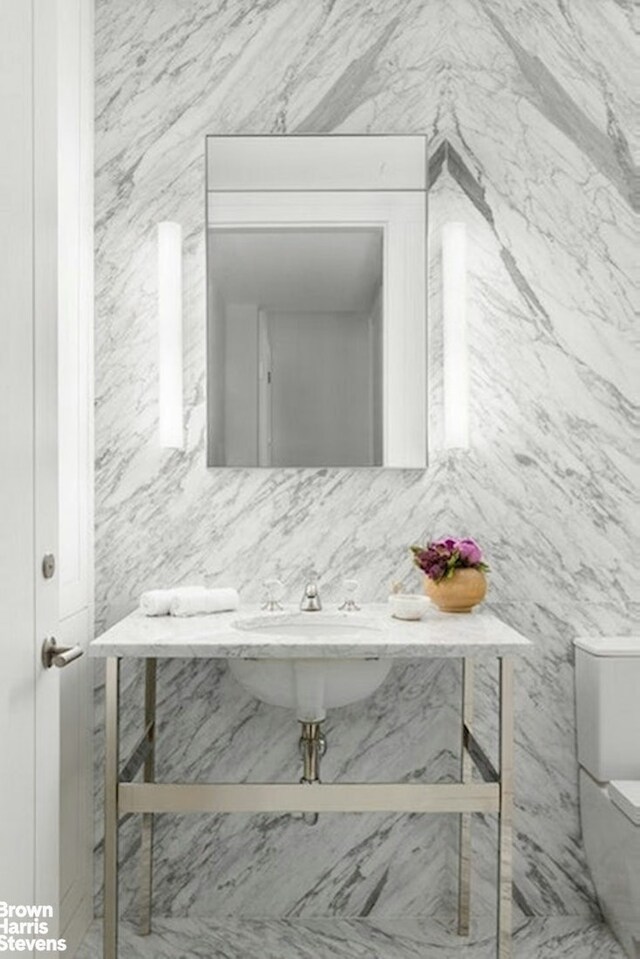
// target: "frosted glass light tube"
[[455, 346], [170, 433]]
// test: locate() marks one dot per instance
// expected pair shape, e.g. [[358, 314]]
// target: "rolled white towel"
[[197, 600], [156, 602]]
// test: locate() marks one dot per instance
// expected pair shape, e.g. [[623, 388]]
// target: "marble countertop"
[[437, 634]]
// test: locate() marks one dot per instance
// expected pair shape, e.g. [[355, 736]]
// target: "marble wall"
[[528, 110]]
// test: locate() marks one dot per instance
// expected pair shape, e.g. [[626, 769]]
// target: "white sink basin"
[[310, 685]]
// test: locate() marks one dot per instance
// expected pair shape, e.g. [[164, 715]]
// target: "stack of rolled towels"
[[189, 601]]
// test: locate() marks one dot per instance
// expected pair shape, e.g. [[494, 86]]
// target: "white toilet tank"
[[608, 706]]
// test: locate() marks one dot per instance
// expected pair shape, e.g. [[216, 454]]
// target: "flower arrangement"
[[442, 557]]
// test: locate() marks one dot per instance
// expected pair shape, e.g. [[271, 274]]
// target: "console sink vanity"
[[310, 662]]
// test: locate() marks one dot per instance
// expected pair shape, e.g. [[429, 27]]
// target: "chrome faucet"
[[310, 602]]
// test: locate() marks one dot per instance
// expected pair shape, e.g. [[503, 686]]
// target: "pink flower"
[[470, 552], [440, 558]]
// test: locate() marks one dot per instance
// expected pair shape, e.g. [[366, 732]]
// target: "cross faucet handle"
[[274, 591], [350, 587]]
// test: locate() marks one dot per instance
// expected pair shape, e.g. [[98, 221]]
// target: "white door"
[[30, 714], [29, 697], [320, 389]]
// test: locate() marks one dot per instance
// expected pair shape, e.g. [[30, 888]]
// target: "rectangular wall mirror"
[[316, 301]]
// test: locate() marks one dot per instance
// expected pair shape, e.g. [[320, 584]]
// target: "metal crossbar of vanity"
[[269, 648]]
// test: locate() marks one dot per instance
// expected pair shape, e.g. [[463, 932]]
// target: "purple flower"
[[442, 556], [447, 544], [470, 552], [436, 571]]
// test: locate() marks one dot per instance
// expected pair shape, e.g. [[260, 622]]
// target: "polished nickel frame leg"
[[148, 775], [505, 815], [112, 690], [464, 829]]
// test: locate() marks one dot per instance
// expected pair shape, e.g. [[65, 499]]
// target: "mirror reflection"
[[316, 326], [297, 316]]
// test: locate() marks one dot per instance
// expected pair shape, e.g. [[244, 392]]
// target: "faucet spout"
[[310, 602]]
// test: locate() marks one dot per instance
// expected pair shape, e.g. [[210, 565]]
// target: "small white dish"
[[408, 605]]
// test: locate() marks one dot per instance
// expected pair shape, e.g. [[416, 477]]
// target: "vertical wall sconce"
[[170, 335], [455, 347]]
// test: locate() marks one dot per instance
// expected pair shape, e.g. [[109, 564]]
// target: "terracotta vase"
[[465, 589]]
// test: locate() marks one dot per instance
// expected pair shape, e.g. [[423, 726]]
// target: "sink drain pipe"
[[313, 745]]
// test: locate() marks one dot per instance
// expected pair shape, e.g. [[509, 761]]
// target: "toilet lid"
[[609, 645], [626, 795]]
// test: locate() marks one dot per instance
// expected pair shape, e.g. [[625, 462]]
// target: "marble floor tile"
[[550, 938]]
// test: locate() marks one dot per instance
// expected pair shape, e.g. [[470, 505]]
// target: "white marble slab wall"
[[527, 108]]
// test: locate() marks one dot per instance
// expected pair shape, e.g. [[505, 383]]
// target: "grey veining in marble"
[[531, 101], [356, 939]]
